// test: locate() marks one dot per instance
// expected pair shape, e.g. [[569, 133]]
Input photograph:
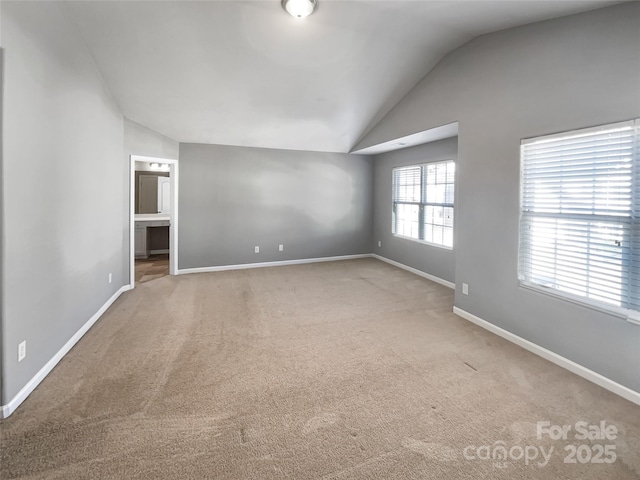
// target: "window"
[[423, 202], [580, 203]]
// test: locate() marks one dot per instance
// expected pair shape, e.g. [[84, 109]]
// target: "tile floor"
[[155, 266]]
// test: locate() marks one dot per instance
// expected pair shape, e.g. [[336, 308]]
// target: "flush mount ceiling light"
[[300, 8]]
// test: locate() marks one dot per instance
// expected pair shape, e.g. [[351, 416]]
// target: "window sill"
[[617, 312], [423, 242]]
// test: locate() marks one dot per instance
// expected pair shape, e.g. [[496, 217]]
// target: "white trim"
[[282, 263], [15, 402], [159, 252], [633, 320], [173, 227], [415, 271], [132, 221], [559, 360]]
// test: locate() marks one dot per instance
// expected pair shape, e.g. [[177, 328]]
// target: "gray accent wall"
[[62, 188], [234, 198], [553, 76], [430, 259]]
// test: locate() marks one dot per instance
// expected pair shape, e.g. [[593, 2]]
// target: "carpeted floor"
[[343, 370]]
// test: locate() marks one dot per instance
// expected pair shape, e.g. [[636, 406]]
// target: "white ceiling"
[[419, 138], [246, 73]]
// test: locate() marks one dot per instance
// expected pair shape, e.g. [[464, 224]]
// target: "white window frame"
[[606, 215], [422, 204]]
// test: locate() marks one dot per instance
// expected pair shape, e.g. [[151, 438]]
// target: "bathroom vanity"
[[144, 223]]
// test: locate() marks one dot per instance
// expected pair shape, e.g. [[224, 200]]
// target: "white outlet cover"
[[110, 277], [22, 350], [465, 289], [257, 249], [379, 243], [281, 248]]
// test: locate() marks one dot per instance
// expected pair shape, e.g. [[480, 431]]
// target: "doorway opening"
[[153, 203]]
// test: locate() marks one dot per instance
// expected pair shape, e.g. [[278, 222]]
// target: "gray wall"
[[1, 213], [62, 188], [140, 140], [547, 77], [233, 198], [430, 259]]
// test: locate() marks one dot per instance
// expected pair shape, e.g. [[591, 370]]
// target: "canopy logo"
[[500, 455], [539, 455]]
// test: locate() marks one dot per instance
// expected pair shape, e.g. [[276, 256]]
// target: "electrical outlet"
[[110, 277], [22, 350], [257, 249], [379, 243], [465, 289], [280, 248]]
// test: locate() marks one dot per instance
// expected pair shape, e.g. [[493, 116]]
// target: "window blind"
[[580, 195], [407, 194]]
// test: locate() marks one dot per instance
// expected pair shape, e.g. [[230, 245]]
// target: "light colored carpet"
[[343, 370]]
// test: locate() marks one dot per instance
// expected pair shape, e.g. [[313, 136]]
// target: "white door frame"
[[173, 216]]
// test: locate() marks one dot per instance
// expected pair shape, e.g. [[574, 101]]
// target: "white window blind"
[[423, 202], [580, 196]]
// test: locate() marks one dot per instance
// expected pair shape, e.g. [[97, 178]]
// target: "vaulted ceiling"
[[246, 73]]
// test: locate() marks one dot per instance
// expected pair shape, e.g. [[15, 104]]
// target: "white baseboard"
[[15, 402], [158, 252], [559, 360], [415, 271], [282, 263]]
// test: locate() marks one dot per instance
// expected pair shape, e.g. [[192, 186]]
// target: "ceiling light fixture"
[[300, 8]]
